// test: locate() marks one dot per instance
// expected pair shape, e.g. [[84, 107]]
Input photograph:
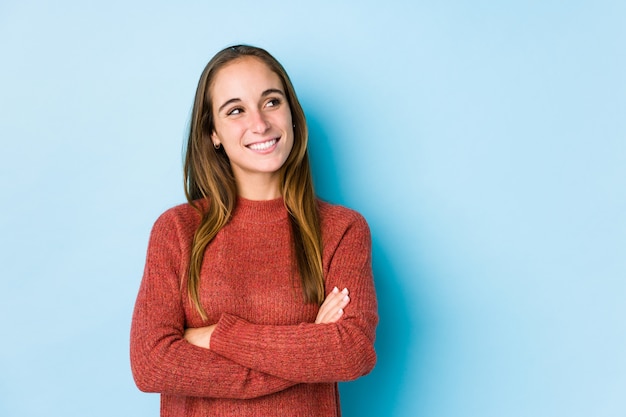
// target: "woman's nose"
[[258, 122]]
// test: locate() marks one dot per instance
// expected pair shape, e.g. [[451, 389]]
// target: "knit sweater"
[[267, 355]]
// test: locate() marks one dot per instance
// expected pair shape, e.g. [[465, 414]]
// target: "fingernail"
[[346, 298], [340, 311], [345, 291], [335, 290]]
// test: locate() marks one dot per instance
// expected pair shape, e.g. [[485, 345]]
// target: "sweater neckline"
[[260, 211]]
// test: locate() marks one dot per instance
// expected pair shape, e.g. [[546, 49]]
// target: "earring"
[[217, 145], [294, 125]]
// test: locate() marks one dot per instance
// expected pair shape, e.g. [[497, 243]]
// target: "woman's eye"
[[234, 111], [273, 102]]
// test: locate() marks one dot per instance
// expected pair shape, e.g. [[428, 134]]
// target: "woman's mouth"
[[261, 146]]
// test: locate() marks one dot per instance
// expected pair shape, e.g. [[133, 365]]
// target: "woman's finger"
[[331, 309]]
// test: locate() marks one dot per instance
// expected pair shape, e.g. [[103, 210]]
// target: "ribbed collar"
[[264, 211]]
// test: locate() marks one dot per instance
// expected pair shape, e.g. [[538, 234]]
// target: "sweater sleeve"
[[310, 352], [161, 360]]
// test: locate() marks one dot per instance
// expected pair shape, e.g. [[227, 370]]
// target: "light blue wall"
[[485, 142]]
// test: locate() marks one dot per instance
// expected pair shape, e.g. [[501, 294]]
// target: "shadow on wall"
[[378, 393], [325, 177]]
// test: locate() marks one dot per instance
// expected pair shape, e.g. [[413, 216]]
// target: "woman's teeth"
[[263, 145]]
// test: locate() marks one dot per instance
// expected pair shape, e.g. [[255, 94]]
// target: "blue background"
[[485, 142]]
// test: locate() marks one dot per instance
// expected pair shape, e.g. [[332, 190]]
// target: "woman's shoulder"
[[342, 224], [335, 215], [185, 217]]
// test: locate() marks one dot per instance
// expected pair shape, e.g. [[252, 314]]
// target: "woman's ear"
[[216, 140]]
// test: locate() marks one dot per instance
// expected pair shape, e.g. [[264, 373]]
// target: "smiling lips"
[[262, 146]]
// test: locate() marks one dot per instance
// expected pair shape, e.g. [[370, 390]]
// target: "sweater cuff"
[[222, 340]]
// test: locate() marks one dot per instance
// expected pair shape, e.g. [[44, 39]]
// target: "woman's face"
[[252, 120]]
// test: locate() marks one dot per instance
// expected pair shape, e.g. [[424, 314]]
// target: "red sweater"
[[267, 355]]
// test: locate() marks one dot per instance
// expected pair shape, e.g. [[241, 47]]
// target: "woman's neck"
[[259, 187]]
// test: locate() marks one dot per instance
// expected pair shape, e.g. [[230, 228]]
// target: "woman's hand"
[[331, 309], [200, 336]]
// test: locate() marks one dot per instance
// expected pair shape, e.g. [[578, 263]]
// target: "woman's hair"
[[208, 176]]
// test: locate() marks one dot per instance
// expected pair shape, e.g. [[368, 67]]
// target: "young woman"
[[257, 298]]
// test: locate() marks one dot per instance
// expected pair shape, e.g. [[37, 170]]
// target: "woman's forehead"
[[245, 76]]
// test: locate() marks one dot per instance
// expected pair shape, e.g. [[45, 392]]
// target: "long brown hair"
[[209, 177]]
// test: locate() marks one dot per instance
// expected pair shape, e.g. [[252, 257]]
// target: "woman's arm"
[[330, 311], [161, 360], [311, 352]]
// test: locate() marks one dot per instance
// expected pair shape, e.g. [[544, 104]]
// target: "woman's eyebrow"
[[231, 101], [270, 91]]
